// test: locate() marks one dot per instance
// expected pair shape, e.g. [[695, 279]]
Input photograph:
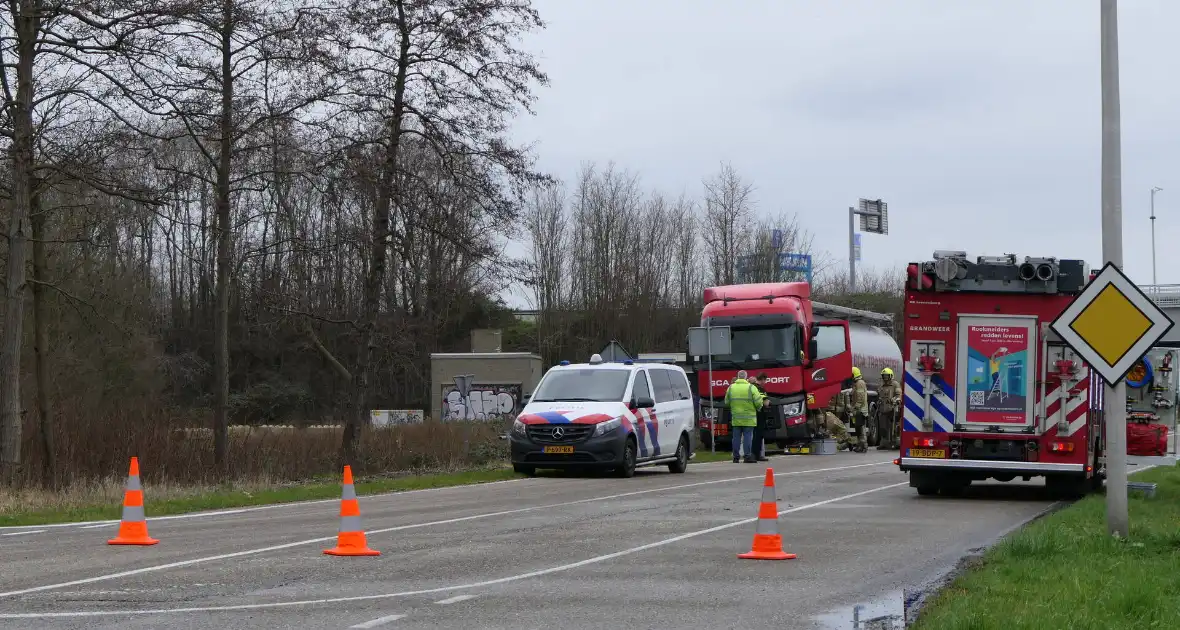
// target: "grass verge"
[[103, 500], [1064, 571]]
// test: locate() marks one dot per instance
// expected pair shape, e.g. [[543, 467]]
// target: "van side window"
[[641, 388], [829, 341], [680, 386], [663, 385]]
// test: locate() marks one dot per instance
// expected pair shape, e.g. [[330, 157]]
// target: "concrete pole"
[[851, 249], [1112, 252]]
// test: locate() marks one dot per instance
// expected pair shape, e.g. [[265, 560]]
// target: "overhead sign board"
[[874, 216], [1111, 324]]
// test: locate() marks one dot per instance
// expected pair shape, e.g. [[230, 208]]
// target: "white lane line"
[[100, 525], [259, 508], [441, 589], [455, 600], [380, 621], [461, 519], [31, 531]]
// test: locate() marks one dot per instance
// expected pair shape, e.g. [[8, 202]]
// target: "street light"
[[1153, 192]]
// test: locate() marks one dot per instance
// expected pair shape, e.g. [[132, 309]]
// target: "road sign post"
[[1111, 324], [709, 340]]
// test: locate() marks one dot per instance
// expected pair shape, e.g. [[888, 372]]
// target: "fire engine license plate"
[[558, 449], [932, 453]]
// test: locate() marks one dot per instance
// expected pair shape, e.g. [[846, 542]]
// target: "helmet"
[[855, 372], [886, 372]]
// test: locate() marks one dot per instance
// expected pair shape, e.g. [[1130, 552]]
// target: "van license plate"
[[932, 453], [558, 449]]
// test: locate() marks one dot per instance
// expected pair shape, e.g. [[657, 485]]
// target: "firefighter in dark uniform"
[[763, 416]]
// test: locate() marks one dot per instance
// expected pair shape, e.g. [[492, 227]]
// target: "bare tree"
[[449, 72], [217, 78], [728, 211]]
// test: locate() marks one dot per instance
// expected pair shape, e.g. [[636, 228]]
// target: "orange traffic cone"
[[768, 545], [133, 527], [350, 541]]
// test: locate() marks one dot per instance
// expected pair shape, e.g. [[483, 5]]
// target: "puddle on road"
[[884, 613]]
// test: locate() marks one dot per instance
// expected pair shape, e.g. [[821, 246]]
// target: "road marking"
[[101, 525], [441, 589], [380, 621], [455, 600], [31, 531], [398, 528]]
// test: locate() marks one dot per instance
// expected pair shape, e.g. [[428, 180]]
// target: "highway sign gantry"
[[1111, 324]]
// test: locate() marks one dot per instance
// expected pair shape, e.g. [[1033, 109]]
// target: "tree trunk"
[[21, 154], [376, 272], [224, 249], [41, 343]]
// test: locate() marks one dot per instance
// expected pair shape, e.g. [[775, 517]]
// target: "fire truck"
[[806, 348], [989, 391]]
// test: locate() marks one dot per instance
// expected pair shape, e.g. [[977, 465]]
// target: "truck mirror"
[[812, 348]]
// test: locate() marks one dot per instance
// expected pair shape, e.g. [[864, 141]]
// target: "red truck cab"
[[774, 329]]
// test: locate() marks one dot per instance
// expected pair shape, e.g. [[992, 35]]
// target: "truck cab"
[[806, 349]]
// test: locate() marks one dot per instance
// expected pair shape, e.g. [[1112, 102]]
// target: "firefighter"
[[834, 420], [860, 408], [743, 400], [888, 400]]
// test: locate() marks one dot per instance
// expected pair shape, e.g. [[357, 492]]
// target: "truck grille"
[[543, 433]]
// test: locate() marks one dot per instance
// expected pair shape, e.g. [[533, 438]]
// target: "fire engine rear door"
[[995, 373]]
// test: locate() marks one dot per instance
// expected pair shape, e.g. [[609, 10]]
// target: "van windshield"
[[582, 386]]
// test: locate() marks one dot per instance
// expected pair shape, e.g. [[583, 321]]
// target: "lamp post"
[[1112, 251], [1153, 280]]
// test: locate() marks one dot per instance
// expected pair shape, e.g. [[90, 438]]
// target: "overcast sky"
[[978, 122]]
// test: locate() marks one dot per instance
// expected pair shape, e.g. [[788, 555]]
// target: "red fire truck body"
[[989, 391]]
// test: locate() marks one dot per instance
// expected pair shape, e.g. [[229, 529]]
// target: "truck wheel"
[[927, 491], [521, 469], [627, 469], [681, 463], [1067, 487]]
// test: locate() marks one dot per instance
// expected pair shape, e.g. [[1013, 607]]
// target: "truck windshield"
[[582, 386], [762, 346]]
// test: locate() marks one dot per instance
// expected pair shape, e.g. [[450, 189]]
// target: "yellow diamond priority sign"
[[1111, 324]]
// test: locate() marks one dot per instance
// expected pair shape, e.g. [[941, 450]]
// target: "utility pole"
[[851, 249], [1154, 283], [1112, 251]]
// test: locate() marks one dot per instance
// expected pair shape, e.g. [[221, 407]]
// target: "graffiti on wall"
[[485, 402]]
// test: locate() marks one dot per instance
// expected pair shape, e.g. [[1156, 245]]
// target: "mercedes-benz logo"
[[558, 433]]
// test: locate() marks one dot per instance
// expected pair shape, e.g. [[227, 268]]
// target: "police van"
[[615, 416]]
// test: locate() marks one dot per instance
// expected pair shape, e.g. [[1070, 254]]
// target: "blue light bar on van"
[[564, 363]]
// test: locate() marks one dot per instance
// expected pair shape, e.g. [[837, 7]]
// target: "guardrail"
[[1164, 295]]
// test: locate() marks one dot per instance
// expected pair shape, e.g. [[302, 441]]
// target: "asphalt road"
[[654, 551]]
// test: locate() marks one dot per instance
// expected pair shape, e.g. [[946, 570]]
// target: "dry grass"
[[92, 451]]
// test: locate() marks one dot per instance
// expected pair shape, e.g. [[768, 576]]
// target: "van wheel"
[[681, 463], [627, 469], [521, 469]]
